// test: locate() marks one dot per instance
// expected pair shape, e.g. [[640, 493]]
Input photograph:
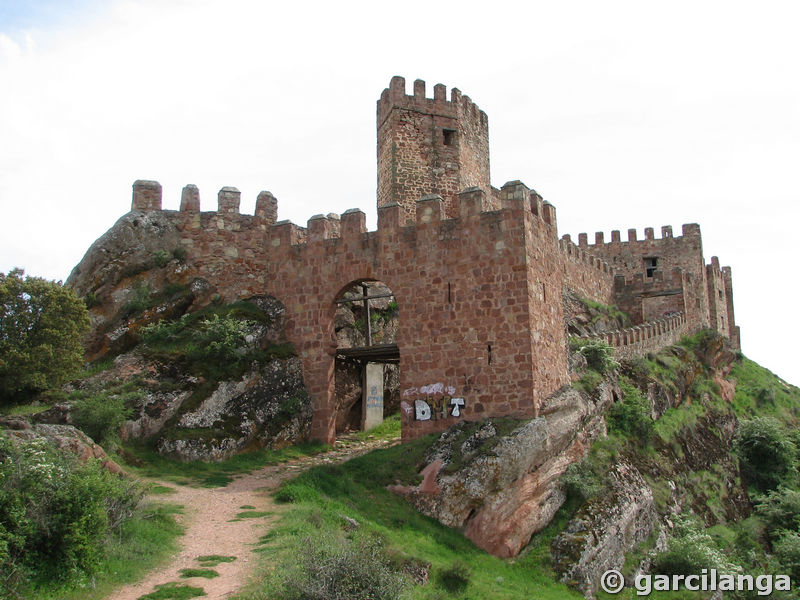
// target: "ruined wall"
[[684, 252], [430, 146], [650, 298], [733, 329], [720, 300], [468, 328]]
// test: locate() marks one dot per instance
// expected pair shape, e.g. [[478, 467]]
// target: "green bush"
[[780, 510], [161, 258], [337, 568], [787, 552], [599, 355], [100, 416], [766, 453], [209, 344], [141, 299], [179, 254], [55, 513], [632, 415], [582, 481], [691, 549]]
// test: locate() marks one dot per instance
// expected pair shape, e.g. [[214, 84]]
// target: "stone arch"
[[365, 315]]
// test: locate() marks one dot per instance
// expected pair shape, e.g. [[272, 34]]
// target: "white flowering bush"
[[691, 549], [55, 513]]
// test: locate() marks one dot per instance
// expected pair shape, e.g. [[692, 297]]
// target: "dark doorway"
[[367, 357]]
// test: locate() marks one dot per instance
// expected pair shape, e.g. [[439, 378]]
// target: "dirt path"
[[211, 529]]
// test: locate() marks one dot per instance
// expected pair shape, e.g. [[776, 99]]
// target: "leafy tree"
[[766, 453], [41, 325]]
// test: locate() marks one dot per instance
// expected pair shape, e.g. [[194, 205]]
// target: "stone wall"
[[478, 295], [702, 306], [591, 277], [640, 340]]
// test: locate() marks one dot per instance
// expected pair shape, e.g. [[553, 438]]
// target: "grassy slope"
[[145, 540], [321, 498]]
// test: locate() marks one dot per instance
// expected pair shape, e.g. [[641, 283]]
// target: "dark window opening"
[[650, 266], [449, 137], [489, 352], [720, 294]]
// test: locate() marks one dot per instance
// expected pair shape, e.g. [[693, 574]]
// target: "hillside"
[[674, 485]]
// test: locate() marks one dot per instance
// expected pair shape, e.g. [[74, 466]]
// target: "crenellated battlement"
[[471, 203], [457, 107], [689, 229], [640, 340]]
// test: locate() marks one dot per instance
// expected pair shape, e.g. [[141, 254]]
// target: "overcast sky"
[[622, 114]]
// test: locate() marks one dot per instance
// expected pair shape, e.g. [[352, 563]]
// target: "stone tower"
[[429, 146]]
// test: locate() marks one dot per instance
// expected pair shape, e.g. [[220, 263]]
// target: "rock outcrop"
[[605, 529], [138, 274], [501, 487], [65, 438]]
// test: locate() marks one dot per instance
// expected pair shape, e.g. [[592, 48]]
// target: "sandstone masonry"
[[477, 272]]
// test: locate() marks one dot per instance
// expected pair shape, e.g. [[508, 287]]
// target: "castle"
[[478, 273]]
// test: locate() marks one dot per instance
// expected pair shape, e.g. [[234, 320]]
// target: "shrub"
[[209, 345], [599, 355], [54, 513], [161, 258], [632, 416], [100, 416], [589, 381], [179, 254], [341, 569], [766, 453], [787, 551], [582, 481], [780, 510], [691, 549], [141, 299], [455, 578]]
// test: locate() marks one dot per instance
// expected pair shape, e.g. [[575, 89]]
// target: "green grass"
[[174, 591], [389, 429], [207, 474], [606, 310], [161, 490], [205, 573], [212, 560], [323, 496], [142, 542], [759, 392], [23, 410], [253, 514]]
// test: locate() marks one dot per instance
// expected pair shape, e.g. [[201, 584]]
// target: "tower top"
[[429, 146]]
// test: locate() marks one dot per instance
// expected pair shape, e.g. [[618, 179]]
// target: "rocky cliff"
[[501, 481], [210, 378]]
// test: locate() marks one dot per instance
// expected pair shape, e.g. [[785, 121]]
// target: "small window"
[[720, 294], [449, 137], [650, 266]]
